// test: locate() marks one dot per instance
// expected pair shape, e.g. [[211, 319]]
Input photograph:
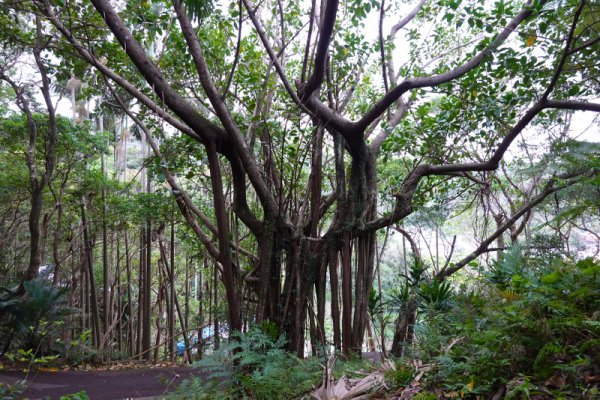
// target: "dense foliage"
[[534, 328], [268, 187], [256, 365]]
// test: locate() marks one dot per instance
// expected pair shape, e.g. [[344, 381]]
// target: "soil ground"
[[100, 384]]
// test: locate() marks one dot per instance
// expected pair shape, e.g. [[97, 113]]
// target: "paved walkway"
[[101, 385]]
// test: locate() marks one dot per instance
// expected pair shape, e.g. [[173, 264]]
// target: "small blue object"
[[180, 348], [181, 345]]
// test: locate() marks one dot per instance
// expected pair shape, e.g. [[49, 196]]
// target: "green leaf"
[[552, 278], [199, 9]]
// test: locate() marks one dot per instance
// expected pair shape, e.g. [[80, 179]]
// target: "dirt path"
[[101, 385]]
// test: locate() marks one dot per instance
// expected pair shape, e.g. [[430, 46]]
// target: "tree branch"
[[221, 110], [404, 197], [404, 21], [213, 131], [314, 81], [412, 242], [181, 197], [435, 80], [237, 52], [574, 105], [274, 59], [311, 23], [207, 131], [565, 55], [549, 189], [382, 46]]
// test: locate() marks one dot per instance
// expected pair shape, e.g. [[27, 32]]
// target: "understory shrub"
[[253, 365], [533, 325], [36, 320]]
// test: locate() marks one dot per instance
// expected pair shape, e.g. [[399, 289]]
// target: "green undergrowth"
[[34, 326], [531, 329], [255, 365], [527, 329]]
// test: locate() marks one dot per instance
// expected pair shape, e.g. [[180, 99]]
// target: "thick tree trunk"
[[301, 275], [230, 274], [37, 181], [35, 250], [364, 282]]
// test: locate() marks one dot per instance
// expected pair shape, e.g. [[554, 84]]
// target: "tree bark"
[[404, 328], [171, 312], [147, 318], [93, 300]]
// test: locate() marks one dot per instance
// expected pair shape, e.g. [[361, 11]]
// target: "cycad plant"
[[34, 320]]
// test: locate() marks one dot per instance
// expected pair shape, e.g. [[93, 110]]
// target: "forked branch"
[[550, 188]]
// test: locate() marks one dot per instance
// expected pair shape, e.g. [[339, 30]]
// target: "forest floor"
[[100, 384]]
